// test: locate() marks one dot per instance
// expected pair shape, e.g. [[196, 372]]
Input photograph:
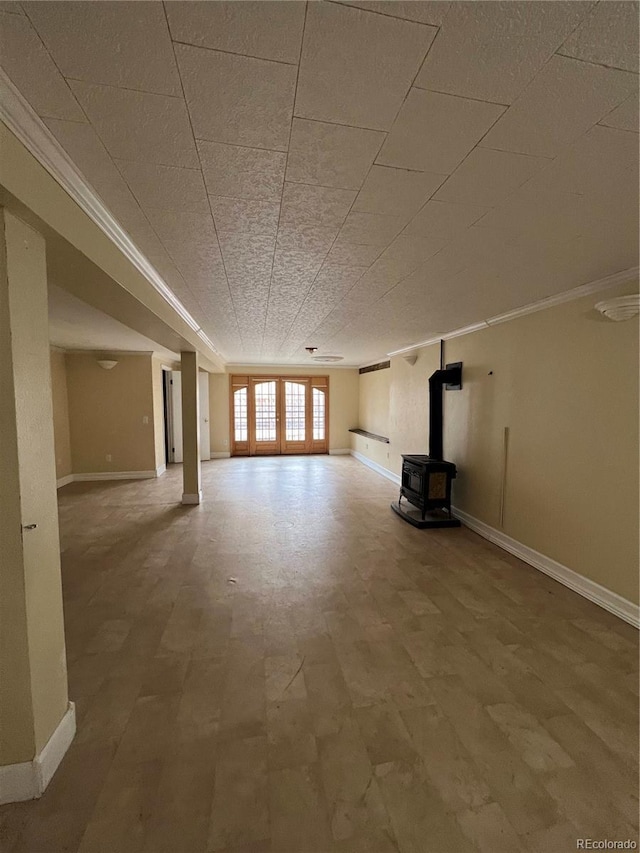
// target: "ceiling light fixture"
[[106, 363], [620, 308], [311, 350], [328, 358]]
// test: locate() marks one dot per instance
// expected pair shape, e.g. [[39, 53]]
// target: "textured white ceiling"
[[355, 176]]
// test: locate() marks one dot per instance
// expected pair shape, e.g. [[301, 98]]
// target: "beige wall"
[[60, 414], [107, 411], [343, 401], [33, 675], [219, 412], [565, 383]]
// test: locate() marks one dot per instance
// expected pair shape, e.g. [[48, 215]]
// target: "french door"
[[271, 415]]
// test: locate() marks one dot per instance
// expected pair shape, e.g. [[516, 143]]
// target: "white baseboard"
[[221, 454], [600, 595], [340, 451], [28, 780], [395, 478], [64, 481], [189, 500], [589, 589], [115, 475], [160, 470]]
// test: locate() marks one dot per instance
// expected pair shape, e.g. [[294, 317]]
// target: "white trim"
[[609, 281], [25, 124], [64, 481], [395, 478], [220, 454], [29, 779], [600, 595], [160, 470], [115, 475], [189, 500], [316, 369], [339, 451]]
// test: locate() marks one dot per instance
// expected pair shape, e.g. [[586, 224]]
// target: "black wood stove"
[[426, 480]]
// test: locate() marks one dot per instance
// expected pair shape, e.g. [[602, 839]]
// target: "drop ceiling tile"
[[442, 219], [396, 192], [322, 207], [248, 259], [121, 44], [330, 154], [354, 254], [565, 99], [413, 250], [434, 132], [624, 117], [486, 177], [32, 71], [305, 238], [604, 161], [240, 216], [185, 234], [11, 7], [138, 125], [264, 29], [169, 187], [609, 36], [237, 99], [356, 68], [491, 51], [551, 216], [237, 172], [426, 12], [83, 146], [371, 228]]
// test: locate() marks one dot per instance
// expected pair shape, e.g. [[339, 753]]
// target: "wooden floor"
[[291, 667]]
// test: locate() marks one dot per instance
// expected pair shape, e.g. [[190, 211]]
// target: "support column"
[[37, 722], [192, 491]]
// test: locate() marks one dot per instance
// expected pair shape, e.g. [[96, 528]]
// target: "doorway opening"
[[274, 415]]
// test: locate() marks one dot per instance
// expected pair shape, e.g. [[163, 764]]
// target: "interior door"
[[176, 415], [264, 416]]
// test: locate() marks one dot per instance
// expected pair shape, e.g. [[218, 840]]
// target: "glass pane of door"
[[265, 411], [240, 419], [295, 410], [318, 414]]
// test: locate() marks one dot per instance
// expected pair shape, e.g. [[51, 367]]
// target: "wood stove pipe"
[[451, 376]]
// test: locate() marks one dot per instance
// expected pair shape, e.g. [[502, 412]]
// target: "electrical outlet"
[[225, 443], [108, 457], [145, 419]]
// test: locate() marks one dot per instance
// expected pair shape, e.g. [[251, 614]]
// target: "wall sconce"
[[620, 308], [107, 364], [411, 358]]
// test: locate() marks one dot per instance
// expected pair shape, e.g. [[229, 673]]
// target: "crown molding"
[[18, 115], [596, 286]]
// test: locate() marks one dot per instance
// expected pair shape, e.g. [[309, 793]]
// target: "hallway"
[[290, 667]]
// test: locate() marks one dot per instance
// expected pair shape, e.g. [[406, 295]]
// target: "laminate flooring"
[[291, 667]]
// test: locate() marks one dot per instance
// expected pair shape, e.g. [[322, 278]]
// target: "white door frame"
[[205, 433]]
